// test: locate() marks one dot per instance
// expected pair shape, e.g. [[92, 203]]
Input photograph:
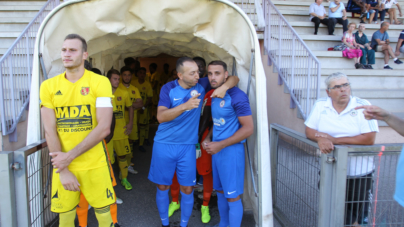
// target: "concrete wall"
[[6, 145]]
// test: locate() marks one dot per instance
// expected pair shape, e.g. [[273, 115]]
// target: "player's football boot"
[[125, 183], [172, 208], [205, 217]]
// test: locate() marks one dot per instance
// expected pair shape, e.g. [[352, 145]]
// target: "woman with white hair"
[[334, 120]]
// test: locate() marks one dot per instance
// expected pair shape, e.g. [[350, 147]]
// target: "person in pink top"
[[353, 49]]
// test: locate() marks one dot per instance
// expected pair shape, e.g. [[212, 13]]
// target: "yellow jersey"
[[121, 100], [133, 95], [75, 110], [145, 89]]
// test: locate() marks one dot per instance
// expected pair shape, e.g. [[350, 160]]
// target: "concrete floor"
[[139, 205]]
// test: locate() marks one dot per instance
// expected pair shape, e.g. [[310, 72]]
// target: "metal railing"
[[26, 177], [254, 11], [296, 65], [352, 186], [15, 73]]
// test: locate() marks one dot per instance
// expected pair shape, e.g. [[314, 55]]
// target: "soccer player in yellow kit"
[[146, 92], [137, 103], [76, 112], [154, 78], [122, 130]]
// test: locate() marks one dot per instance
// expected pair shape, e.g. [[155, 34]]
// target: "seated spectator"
[[367, 51], [335, 121], [353, 50], [380, 43], [371, 9], [400, 44], [337, 14], [387, 6], [318, 15], [362, 5]]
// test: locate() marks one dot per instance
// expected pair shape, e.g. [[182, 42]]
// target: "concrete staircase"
[[381, 87], [14, 17]]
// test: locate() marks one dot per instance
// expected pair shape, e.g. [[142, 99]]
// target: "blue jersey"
[[225, 113], [205, 84], [184, 128]]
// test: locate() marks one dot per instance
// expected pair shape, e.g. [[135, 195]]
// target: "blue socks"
[[236, 213], [223, 207], [163, 201], [187, 204]]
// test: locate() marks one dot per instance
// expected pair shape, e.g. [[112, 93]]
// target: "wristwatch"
[[143, 108]]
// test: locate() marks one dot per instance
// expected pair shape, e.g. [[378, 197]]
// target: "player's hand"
[[69, 181], [374, 112], [193, 103], [219, 92], [128, 129], [213, 147], [325, 145], [205, 142], [60, 160]]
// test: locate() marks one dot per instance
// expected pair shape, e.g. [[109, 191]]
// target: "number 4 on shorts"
[[109, 194]]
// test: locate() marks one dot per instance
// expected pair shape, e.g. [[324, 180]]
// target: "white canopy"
[[116, 29]]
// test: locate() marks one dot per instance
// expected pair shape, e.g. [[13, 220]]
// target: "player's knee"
[[187, 189], [233, 199], [102, 209], [163, 187], [122, 157]]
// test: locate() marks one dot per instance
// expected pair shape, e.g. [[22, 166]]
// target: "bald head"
[[384, 26]]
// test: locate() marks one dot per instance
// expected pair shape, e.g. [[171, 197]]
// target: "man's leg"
[[66, 219], [316, 21], [361, 5], [382, 15], [114, 212], [389, 51], [222, 204], [371, 57], [175, 193], [122, 149], [207, 193], [187, 204], [386, 56], [235, 211], [363, 58], [103, 216], [82, 211], [344, 24], [162, 200], [331, 25]]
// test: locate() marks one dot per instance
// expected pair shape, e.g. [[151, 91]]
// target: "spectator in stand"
[[396, 123], [380, 43], [318, 15], [362, 5], [337, 14], [387, 7], [400, 44], [335, 121], [353, 49], [367, 51]]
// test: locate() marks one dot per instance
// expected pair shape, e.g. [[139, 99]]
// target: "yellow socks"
[[104, 217]]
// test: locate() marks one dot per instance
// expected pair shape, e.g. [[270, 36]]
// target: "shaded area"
[[139, 205]]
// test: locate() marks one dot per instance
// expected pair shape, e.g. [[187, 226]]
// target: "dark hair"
[[75, 36], [199, 59], [95, 70], [126, 68], [217, 62], [112, 71], [166, 65], [142, 68], [153, 65], [129, 61], [180, 62], [87, 65]]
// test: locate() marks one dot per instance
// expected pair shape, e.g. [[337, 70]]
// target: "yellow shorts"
[[110, 148], [122, 147], [144, 117], [134, 134], [95, 184]]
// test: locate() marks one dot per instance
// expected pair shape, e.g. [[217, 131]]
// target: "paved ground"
[[139, 205]]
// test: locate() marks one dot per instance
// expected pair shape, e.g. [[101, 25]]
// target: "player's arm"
[[68, 180], [165, 114], [104, 116], [246, 130], [231, 82], [204, 121], [112, 130], [137, 104], [129, 126]]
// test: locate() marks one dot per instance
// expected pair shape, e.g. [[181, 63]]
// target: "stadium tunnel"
[[212, 29]]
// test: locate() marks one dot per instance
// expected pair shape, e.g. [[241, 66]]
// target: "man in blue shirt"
[[400, 44], [174, 150], [337, 14], [232, 124], [396, 123], [381, 43]]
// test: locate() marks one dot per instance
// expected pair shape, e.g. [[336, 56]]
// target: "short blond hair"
[[349, 25]]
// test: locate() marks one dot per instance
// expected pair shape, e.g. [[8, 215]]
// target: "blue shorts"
[[228, 170], [170, 158]]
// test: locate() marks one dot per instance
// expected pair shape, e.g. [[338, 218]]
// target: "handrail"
[[15, 73], [296, 64]]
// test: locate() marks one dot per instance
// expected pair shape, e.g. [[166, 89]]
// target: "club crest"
[[119, 98], [133, 92], [354, 113], [222, 103], [84, 91], [194, 92]]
